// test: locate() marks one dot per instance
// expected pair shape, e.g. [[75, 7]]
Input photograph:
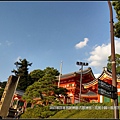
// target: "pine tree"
[[22, 71], [45, 89]]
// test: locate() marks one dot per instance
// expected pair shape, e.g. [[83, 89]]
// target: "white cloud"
[[82, 44], [99, 55]]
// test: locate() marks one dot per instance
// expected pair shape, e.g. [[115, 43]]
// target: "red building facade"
[[89, 91], [71, 82]]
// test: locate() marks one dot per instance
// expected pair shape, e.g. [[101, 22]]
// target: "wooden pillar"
[[98, 98]]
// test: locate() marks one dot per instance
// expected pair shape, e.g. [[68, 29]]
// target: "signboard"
[[106, 93], [106, 86], [107, 89]]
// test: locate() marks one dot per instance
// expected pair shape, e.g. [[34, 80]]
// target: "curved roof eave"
[[77, 72], [95, 81], [109, 73]]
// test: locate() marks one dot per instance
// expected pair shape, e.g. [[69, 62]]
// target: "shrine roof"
[[84, 72], [108, 73], [91, 93], [19, 92]]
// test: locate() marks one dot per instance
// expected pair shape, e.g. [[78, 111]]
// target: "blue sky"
[[47, 32]]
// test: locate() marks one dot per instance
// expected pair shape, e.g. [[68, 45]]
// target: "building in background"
[[17, 100]]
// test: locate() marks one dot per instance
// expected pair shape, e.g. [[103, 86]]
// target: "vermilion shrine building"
[[89, 91]]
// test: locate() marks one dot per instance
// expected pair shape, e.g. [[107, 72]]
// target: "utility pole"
[[114, 81], [80, 82], [60, 74]]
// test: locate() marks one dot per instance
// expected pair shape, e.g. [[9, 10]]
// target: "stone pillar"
[[7, 95]]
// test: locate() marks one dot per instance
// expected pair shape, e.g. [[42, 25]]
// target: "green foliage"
[[69, 114], [60, 90], [3, 84], [52, 71], [1, 92], [45, 112], [35, 75], [116, 5], [42, 89], [38, 112], [90, 113], [22, 71], [45, 88], [84, 114], [109, 65]]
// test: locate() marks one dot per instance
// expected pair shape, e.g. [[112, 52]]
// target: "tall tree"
[[22, 71], [109, 65], [116, 5], [1, 92], [45, 88], [2, 85], [51, 71], [35, 75]]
